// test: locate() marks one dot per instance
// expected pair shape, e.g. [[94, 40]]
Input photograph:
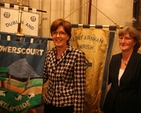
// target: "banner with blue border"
[[21, 72]]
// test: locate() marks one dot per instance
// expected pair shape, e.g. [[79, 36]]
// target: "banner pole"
[[19, 30]]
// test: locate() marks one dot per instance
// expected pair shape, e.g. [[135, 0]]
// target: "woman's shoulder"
[[136, 55]]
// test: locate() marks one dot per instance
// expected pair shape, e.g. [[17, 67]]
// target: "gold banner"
[[94, 43]]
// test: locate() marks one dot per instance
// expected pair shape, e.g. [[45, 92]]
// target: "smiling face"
[[126, 42], [60, 37]]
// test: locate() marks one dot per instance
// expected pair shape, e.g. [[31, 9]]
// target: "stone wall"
[[137, 14]]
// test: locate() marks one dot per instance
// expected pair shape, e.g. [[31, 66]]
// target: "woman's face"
[[126, 43], [60, 37]]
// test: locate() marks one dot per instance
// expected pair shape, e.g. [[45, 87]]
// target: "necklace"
[[125, 59], [125, 63]]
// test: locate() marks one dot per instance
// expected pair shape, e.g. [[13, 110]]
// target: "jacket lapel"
[[118, 63], [126, 75], [53, 60]]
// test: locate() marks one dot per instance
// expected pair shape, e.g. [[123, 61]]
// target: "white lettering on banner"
[[17, 108], [18, 50]]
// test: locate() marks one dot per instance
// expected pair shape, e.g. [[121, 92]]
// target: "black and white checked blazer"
[[67, 78]]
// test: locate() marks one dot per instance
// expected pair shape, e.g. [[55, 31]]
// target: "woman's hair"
[[133, 33], [61, 22]]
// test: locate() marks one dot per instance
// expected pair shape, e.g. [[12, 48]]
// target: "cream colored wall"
[[76, 11], [112, 12], [119, 11], [103, 12], [59, 9]]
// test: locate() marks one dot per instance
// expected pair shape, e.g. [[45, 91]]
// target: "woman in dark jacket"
[[124, 95]]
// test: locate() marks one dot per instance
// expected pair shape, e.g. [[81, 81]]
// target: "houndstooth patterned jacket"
[[67, 79]]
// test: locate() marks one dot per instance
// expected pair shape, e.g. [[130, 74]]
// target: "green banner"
[[21, 72]]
